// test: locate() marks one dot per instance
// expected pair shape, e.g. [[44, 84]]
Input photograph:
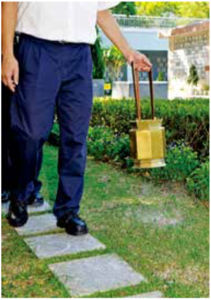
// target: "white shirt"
[[61, 21]]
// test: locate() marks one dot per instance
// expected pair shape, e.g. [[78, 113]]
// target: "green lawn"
[[158, 229]]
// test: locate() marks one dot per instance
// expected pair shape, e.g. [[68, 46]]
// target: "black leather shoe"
[[17, 214], [35, 200], [73, 224], [5, 196]]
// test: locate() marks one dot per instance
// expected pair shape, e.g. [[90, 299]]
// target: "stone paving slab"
[[62, 244], [155, 294], [95, 274], [38, 224], [46, 206]]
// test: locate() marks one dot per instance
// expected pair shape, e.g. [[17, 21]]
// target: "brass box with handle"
[[147, 138]]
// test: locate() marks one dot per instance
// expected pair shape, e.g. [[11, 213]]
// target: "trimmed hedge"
[[198, 182], [181, 161], [104, 145], [187, 134], [183, 119]]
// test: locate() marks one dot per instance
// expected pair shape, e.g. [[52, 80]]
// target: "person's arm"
[[109, 26], [10, 69]]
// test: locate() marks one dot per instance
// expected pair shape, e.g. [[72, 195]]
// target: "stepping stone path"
[[81, 277], [38, 224], [62, 244], [31, 209], [95, 274], [155, 294]]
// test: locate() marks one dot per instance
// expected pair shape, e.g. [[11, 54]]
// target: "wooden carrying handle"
[[137, 92]]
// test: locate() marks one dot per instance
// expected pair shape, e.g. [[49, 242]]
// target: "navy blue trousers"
[[52, 76], [7, 173], [7, 170]]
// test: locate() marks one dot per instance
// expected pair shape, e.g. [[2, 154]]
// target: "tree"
[[194, 9], [125, 8], [114, 61], [179, 8], [156, 8], [98, 61]]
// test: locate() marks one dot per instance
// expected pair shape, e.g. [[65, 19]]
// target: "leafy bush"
[[161, 76], [103, 144], [120, 148], [198, 182], [99, 142], [180, 162], [187, 135], [183, 119]]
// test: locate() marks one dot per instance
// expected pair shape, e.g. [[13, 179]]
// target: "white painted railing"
[[154, 22]]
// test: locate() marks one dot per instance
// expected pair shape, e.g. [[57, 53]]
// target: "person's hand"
[[10, 72], [141, 62]]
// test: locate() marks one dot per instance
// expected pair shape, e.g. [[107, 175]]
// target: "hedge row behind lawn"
[[187, 133], [183, 119], [198, 181], [182, 163]]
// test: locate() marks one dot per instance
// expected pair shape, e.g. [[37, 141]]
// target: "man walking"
[[54, 69]]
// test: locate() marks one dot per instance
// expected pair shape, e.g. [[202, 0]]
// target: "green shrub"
[[182, 119], [180, 162], [161, 76], [115, 114], [198, 182], [103, 144], [120, 148], [100, 142]]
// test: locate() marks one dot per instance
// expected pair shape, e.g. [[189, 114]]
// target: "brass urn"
[[147, 138]]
